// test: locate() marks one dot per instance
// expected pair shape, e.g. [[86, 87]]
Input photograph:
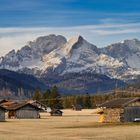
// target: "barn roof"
[[35, 101], [119, 103], [8, 103], [3, 101], [16, 106], [56, 111]]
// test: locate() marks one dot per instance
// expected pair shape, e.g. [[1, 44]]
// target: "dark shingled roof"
[[16, 106], [56, 111], [119, 103], [3, 101]]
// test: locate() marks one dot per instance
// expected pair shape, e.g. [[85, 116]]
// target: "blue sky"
[[66, 12], [100, 21]]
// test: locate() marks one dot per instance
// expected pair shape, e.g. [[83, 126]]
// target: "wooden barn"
[[2, 114], [77, 107], [22, 111], [120, 110], [56, 112]]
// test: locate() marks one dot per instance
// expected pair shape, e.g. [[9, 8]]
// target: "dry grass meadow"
[[73, 125]]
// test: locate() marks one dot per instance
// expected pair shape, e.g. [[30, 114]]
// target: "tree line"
[[53, 98]]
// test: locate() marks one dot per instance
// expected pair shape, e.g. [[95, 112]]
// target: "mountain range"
[[76, 66]]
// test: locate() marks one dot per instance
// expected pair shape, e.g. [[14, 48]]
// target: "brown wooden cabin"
[[2, 114], [22, 110], [120, 110], [56, 112], [77, 107]]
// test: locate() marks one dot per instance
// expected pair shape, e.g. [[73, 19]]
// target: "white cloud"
[[15, 38]]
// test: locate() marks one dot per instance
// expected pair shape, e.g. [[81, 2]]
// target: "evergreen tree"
[[47, 94], [46, 97], [79, 100], [87, 101], [55, 98], [37, 96], [66, 102], [54, 92]]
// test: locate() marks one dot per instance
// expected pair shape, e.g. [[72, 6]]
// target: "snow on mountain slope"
[[128, 51], [30, 56], [105, 60], [75, 53], [81, 56], [134, 60], [78, 55], [56, 55]]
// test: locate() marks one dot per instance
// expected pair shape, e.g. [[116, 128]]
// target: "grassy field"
[[81, 125]]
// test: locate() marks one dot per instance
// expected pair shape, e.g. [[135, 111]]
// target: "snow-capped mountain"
[[127, 51], [30, 56], [54, 54], [75, 56], [78, 55]]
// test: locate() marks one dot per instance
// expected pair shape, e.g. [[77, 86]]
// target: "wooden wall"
[[2, 115], [130, 113], [27, 113]]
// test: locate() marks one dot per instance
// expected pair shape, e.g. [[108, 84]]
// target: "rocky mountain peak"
[[11, 53], [53, 53], [127, 41], [45, 44], [127, 51], [31, 54], [80, 44]]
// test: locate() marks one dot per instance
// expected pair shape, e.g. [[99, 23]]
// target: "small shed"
[[120, 110], [56, 112], [77, 107], [2, 114], [23, 111]]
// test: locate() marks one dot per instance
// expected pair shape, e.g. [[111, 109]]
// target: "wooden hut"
[[77, 107], [120, 110], [22, 111], [56, 112], [2, 113]]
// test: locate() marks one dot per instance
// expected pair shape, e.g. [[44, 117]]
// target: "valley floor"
[[73, 125]]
